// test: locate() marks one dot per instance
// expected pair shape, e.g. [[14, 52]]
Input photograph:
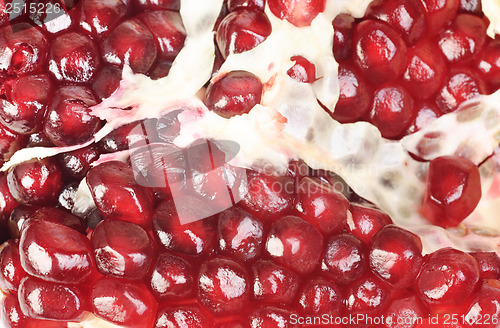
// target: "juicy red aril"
[[168, 31], [274, 283], [342, 37], [236, 93], [132, 44], [117, 195], [405, 312], [10, 142], [68, 120], [172, 278], [488, 63], [367, 296], [447, 279], [26, 100], [41, 299], [424, 113], [320, 297], [39, 139], [76, 164], [106, 81], [453, 190], [158, 4], [122, 249], [12, 316], [406, 17], [367, 221], [489, 264], [73, 57], [471, 7], [242, 30], [128, 135], [392, 110], [35, 182], [240, 234], [396, 256], [380, 51], [295, 243], [11, 271], [99, 17], [303, 70], [297, 12], [55, 215], [271, 317], [223, 286], [125, 303], [485, 305], [17, 218], [7, 202], [232, 5], [344, 259], [55, 253], [189, 315], [464, 39], [439, 13]]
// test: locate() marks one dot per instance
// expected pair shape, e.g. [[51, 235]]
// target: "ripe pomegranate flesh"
[[141, 233]]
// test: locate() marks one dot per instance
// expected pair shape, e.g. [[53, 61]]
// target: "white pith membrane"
[[290, 124]]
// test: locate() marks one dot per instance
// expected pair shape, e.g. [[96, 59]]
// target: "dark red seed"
[[271, 317], [11, 271], [303, 70], [489, 63], [489, 264], [55, 215], [10, 142], [106, 81], [172, 278], [298, 12], [320, 297], [99, 17], [274, 283], [439, 13], [189, 315], [17, 217], [405, 312], [77, 163], [232, 5], [343, 26], [366, 296], [367, 221], [484, 305], [12, 316], [7, 202]]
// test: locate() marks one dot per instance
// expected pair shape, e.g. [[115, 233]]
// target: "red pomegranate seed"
[[12, 316], [344, 259], [471, 7], [73, 57], [132, 44], [129, 136], [236, 93], [55, 215], [297, 12], [25, 49], [489, 264], [106, 81], [233, 5], [396, 256], [447, 279], [406, 17], [35, 182], [453, 190], [320, 297], [240, 234], [484, 309], [168, 31], [99, 17], [488, 63], [93, 218], [274, 283], [11, 271], [39, 139], [117, 195], [380, 51], [160, 69], [192, 316], [295, 243], [242, 30], [68, 120], [223, 286], [75, 164], [426, 70], [392, 110], [423, 114], [464, 39], [17, 217], [7, 202], [367, 221], [405, 312], [123, 302], [343, 26], [10, 142], [193, 238], [41, 299], [367, 296], [439, 13], [55, 253], [158, 4], [271, 317], [461, 85], [122, 249], [172, 278], [303, 70], [26, 100]]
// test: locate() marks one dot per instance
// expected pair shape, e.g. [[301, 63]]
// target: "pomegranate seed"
[[41, 299], [489, 63], [470, 7], [7, 202], [193, 238], [344, 260], [464, 39], [240, 234], [93, 218], [405, 312], [99, 17], [274, 283], [426, 70], [26, 100], [489, 264], [172, 278], [117, 195], [233, 5], [453, 190], [12, 316], [298, 13], [367, 296], [303, 70], [168, 31], [52, 214], [123, 302], [236, 93], [35, 182], [130, 43], [223, 286], [295, 243], [75, 164], [158, 4], [447, 279], [192, 316], [25, 49], [39, 139], [73, 57], [129, 135], [106, 81], [55, 253], [396, 256], [271, 317], [406, 17], [242, 30], [10, 142], [367, 221], [68, 120], [320, 297], [380, 51], [343, 26], [439, 13], [485, 305], [160, 69], [424, 114], [11, 271], [17, 218]]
